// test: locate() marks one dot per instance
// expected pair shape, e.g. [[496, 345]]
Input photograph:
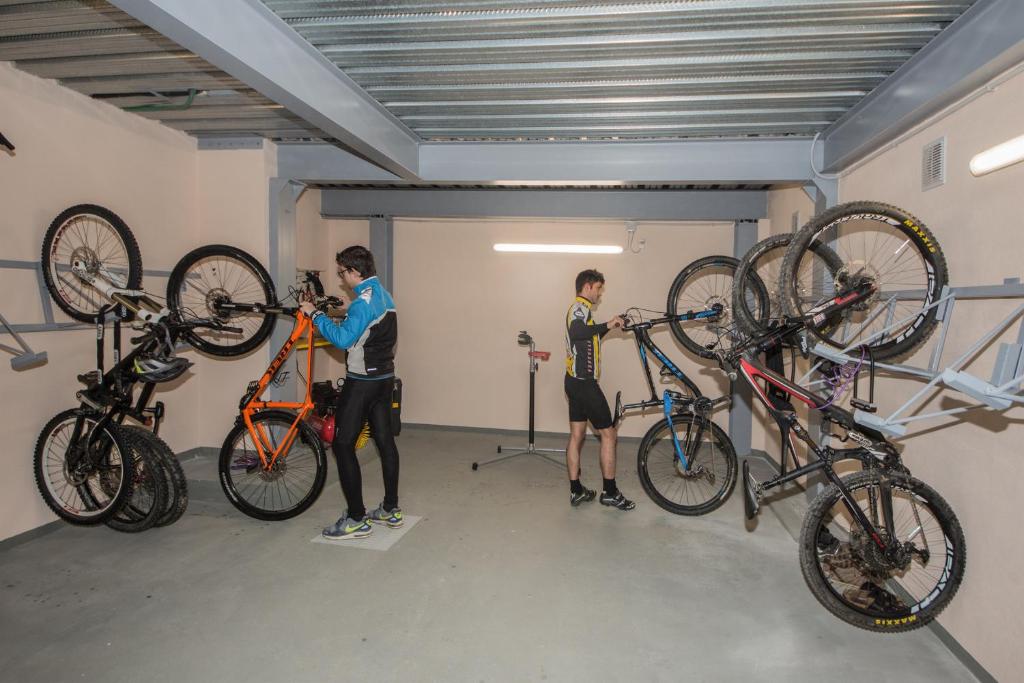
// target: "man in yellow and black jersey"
[[586, 400]]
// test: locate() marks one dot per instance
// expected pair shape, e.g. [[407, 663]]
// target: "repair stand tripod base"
[[529, 450]]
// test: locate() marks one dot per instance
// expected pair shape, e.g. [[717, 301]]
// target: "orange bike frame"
[[269, 455]]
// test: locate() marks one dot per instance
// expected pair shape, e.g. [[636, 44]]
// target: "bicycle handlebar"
[[712, 313], [186, 325], [322, 303]]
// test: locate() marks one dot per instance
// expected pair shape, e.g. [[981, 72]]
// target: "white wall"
[[976, 464]]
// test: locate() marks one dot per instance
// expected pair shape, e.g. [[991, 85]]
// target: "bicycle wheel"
[[852, 579], [217, 273], [764, 261], [81, 486], [701, 284], [104, 246], [291, 486], [876, 243], [712, 474], [177, 485], [147, 500]]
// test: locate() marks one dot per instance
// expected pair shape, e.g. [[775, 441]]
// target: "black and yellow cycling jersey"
[[583, 341]]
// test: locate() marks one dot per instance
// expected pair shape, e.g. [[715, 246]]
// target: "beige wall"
[[976, 465], [318, 240], [73, 150], [234, 205], [461, 306], [70, 150]]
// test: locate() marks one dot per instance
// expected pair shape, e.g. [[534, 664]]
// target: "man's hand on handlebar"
[[616, 322]]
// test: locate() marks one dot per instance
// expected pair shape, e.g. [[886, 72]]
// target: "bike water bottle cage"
[[159, 368]]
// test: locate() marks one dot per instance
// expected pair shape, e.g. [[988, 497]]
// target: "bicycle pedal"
[[751, 493]]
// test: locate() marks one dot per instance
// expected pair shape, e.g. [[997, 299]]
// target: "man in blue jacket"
[[369, 333]]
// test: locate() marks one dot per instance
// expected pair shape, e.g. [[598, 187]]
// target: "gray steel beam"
[[693, 161], [252, 44], [382, 245], [620, 204], [696, 161], [741, 416], [284, 195], [985, 41], [317, 163]]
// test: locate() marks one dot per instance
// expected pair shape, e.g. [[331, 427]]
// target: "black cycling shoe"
[[618, 500], [584, 496]]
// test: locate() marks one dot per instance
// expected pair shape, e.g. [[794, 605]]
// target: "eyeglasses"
[[343, 271]]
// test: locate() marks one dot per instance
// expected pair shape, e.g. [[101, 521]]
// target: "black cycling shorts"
[[587, 402]]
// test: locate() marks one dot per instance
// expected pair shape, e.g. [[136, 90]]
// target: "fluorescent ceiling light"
[[560, 248], [1000, 156]]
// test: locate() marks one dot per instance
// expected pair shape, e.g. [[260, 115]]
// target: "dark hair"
[[358, 259], [587, 277]]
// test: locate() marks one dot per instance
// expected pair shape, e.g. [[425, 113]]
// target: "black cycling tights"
[[363, 400]]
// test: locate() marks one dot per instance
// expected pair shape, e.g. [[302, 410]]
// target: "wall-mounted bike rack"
[[24, 357], [1000, 392]]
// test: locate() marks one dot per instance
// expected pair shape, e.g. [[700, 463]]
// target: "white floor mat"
[[382, 537]]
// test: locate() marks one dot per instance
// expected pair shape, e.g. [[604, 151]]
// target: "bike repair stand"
[[531, 448]]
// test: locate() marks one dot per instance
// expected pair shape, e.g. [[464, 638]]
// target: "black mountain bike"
[[879, 549], [90, 467]]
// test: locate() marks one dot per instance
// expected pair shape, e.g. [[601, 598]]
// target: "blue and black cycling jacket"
[[370, 332]]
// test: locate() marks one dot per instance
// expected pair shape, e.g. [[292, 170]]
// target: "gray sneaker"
[[346, 528], [393, 518]]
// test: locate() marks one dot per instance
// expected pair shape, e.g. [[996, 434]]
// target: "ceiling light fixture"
[[1000, 156], [560, 248]]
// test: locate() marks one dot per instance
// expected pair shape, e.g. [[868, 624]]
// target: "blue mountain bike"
[[686, 462]]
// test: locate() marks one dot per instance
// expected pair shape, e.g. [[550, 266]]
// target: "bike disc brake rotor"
[[214, 298], [276, 471], [854, 273]]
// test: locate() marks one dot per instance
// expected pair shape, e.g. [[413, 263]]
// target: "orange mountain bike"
[[272, 465]]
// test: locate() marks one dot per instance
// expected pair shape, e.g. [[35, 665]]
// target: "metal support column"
[[382, 244], [825, 197], [284, 195], [741, 416]]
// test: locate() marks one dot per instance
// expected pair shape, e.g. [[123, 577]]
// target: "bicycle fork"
[[667, 406]]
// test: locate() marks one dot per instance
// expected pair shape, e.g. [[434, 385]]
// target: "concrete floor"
[[500, 581]]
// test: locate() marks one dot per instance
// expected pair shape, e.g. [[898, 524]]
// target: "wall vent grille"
[[933, 164]]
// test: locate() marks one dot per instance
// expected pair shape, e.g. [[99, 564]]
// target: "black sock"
[[575, 486], [609, 487]]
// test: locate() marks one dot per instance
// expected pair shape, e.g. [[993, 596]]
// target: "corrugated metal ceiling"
[[599, 69], [503, 70]]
